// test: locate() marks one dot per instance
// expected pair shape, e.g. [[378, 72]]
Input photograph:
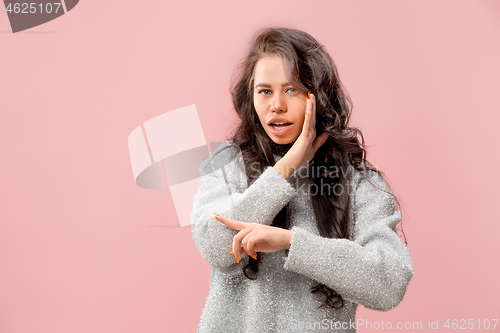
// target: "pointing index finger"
[[230, 223]]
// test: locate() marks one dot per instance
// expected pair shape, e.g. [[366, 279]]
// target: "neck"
[[280, 150]]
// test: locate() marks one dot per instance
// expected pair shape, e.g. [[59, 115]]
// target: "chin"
[[282, 141]]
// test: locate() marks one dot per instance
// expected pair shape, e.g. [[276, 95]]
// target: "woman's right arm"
[[259, 203]]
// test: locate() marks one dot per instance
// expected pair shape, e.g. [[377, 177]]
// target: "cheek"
[[300, 124], [257, 103], [260, 115], [302, 118], [256, 107], [261, 119], [259, 109]]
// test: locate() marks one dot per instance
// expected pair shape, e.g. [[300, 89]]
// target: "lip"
[[278, 119], [280, 132]]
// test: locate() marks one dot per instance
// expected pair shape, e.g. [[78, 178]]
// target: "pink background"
[[83, 249]]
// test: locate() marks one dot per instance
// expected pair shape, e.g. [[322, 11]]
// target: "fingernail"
[[251, 255], [237, 260], [308, 95], [231, 251], [216, 214]]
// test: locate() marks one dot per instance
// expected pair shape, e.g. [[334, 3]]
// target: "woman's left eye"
[[292, 89]]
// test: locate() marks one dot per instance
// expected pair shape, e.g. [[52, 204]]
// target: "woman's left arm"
[[375, 268]]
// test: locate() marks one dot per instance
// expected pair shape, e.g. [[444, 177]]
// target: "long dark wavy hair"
[[309, 68]]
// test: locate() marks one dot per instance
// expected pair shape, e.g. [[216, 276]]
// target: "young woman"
[[304, 226]]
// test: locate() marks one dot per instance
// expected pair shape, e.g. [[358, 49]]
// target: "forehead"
[[270, 68]]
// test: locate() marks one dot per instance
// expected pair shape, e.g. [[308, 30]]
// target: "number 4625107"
[[470, 324], [32, 7]]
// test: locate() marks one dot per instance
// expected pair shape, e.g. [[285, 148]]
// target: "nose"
[[278, 104]]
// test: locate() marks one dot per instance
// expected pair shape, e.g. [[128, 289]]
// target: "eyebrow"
[[269, 86]]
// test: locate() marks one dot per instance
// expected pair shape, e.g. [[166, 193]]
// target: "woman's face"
[[277, 101]]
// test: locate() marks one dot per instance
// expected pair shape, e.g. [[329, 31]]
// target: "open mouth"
[[280, 125]]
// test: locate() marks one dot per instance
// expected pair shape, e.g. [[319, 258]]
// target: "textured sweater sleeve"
[[374, 268], [219, 193]]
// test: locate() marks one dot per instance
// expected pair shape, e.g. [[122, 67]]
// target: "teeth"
[[279, 127], [280, 123]]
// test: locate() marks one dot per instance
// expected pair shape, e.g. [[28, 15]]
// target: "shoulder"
[[373, 205], [367, 183], [365, 174]]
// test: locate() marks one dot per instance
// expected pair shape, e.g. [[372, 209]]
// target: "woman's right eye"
[[264, 90]]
